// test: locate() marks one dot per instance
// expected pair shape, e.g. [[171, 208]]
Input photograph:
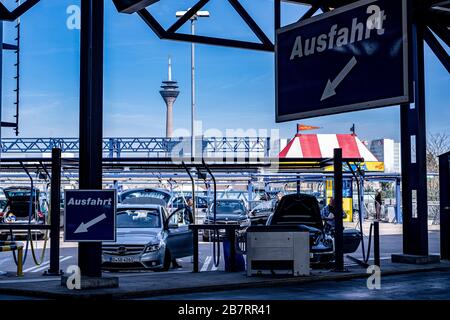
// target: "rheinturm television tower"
[[169, 93]]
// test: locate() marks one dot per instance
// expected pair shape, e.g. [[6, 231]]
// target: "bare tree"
[[437, 144]]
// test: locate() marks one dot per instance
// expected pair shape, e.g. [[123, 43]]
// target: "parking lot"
[[390, 242]]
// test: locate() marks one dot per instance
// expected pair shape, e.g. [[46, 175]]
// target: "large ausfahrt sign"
[[89, 215], [351, 58]]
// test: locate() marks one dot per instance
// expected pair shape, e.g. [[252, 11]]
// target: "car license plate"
[[123, 259]]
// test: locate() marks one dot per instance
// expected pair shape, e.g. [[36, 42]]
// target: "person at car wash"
[[328, 213], [280, 196], [188, 215]]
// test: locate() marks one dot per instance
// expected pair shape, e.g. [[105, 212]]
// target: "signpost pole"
[[55, 205], [91, 119], [339, 224]]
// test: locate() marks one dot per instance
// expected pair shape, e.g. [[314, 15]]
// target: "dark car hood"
[[298, 209]]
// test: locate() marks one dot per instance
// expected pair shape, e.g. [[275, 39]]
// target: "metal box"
[[271, 251]]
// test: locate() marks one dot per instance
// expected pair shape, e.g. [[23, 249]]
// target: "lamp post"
[[199, 14]]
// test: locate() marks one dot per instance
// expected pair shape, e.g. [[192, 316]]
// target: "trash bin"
[[239, 257]]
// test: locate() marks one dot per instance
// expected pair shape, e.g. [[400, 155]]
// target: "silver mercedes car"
[[147, 238]]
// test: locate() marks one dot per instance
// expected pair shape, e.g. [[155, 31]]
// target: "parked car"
[[228, 211], [302, 209], [148, 237], [20, 209], [261, 212], [146, 193]]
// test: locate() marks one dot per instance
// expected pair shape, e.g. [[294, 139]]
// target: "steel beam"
[[91, 119], [413, 154], [188, 15], [250, 22], [277, 14], [170, 35], [6, 15], [315, 6], [55, 205], [444, 197], [438, 50]]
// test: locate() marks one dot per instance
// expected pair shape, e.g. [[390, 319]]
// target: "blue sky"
[[235, 88]]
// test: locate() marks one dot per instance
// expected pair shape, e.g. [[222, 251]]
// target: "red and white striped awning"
[[322, 146]]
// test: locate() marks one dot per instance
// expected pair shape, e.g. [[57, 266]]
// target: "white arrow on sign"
[[85, 226], [332, 85]]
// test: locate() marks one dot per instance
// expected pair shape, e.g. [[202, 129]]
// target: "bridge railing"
[[151, 146]]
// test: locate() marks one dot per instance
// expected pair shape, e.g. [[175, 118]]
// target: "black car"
[[22, 206], [303, 209], [228, 211]]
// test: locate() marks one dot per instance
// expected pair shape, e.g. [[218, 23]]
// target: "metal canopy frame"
[[225, 164], [171, 33], [434, 13], [6, 15]]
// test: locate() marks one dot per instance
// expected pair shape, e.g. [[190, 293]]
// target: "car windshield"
[[229, 207], [18, 193], [147, 193], [138, 218]]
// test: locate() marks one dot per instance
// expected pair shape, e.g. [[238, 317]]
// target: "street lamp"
[[199, 14]]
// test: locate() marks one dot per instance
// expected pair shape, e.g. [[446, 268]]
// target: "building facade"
[[387, 151]]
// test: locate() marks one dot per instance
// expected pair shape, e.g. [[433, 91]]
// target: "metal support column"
[[444, 196], [376, 243], [338, 218], [55, 207], [413, 154], [398, 207], [1, 85], [362, 208], [91, 119]]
